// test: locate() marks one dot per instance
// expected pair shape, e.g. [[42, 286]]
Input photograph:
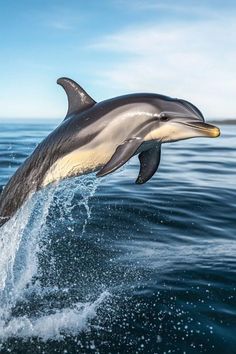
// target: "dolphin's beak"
[[203, 128]]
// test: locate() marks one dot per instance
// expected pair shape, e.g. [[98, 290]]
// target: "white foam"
[[55, 325]]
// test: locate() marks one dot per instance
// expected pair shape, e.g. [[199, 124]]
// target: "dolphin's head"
[[179, 120]]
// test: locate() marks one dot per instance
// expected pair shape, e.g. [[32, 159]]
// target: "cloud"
[[194, 60]]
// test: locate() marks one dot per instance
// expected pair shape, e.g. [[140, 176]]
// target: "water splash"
[[55, 325], [19, 246], [12, 231], [23, 242]]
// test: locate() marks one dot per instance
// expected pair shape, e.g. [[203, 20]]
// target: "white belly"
[[77, 163]]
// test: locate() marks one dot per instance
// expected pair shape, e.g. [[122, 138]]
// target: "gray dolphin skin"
[[102, 137]]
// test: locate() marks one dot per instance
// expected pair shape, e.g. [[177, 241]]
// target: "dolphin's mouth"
[[207, 129]]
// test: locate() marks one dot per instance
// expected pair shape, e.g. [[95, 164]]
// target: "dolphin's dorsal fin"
[[78, 99]]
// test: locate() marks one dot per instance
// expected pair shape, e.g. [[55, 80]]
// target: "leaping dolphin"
[[102, 137]]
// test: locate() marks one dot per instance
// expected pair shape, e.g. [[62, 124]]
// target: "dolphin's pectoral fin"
[[122, 154], [78, 99], [149, 162]]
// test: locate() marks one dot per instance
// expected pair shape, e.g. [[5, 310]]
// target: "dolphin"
[[102, 137]]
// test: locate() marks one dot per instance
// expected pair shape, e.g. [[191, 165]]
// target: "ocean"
[[106, 266]]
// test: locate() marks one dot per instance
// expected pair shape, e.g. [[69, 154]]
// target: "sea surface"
[[106, 266]]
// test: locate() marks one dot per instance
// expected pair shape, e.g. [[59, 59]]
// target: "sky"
[[184, 49]]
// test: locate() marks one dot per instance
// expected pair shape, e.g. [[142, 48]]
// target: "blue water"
[[106, 266]]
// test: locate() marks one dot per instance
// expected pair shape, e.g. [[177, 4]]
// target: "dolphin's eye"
[[164, 117]]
